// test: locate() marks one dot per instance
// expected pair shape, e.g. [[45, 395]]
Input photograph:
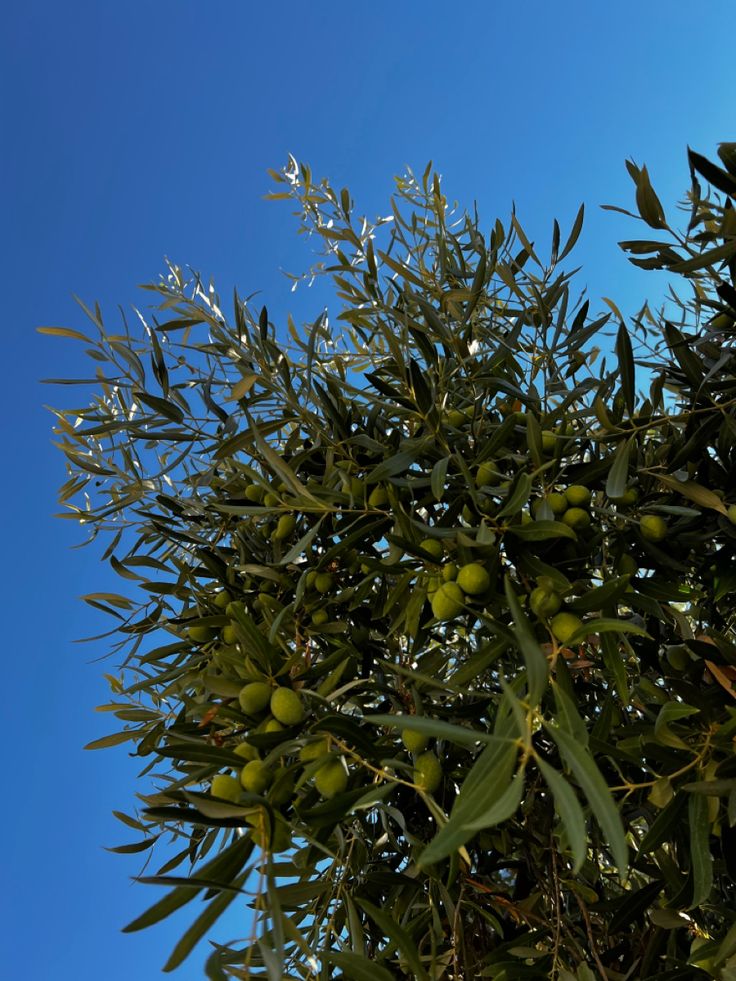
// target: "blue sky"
[[142, 130]]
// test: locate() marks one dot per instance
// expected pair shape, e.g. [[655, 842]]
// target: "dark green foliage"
[[582, 824]]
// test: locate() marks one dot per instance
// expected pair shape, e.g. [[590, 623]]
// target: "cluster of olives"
[[545, 603], [278, 707], [454, 588], [285, 704], [568, 506], [321, 584], [257, 494]]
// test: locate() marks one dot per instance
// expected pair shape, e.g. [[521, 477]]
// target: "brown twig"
[[556, 902], [591, 938]]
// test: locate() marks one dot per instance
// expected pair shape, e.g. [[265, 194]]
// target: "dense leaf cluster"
[[429, 639]]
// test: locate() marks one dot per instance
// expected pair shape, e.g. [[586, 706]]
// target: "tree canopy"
[[427, 640]]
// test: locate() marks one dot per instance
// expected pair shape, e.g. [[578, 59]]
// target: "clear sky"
[[138, 130]]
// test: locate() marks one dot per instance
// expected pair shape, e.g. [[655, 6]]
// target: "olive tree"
[[426, 641]]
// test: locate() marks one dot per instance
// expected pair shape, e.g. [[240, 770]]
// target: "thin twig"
[[556, 900], [591, 938]]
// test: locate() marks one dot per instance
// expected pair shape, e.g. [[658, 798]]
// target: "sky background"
[[141, 130]]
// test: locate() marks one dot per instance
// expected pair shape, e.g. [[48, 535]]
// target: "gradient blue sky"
[[138, 130]]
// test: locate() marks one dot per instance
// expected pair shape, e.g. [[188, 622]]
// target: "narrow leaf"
[[619, 472], [694, 492], [664, 823], [396, 464], [114, 739], [358, 968], [714, 174], [518, 496], [596, 792], [567, 715], [537, 666], [163, 406], [202, 924], [222, 868], [711, 788], [700, 854], [599, 597], [683, 352], [397, 935], [503, 808], [436, 728], [614, 664], [626, 366], [647, 201], [671, 712], [633, 904], [720, 254], [242, 387], [438, 478], [279, 466], [421, 388], [606, 626], [571, 814], [574, 234], [488, 779], [539, 531], [64, 332]]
